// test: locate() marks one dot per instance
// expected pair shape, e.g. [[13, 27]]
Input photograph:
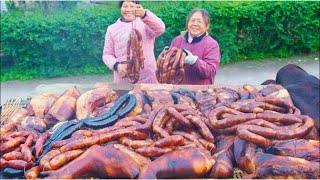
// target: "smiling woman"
[[198, 23], [203, 52], [134, 16], [128, 10]]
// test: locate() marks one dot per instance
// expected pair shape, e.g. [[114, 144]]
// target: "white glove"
[[190, 58]]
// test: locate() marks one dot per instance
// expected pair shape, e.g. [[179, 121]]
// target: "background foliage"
[[67, 39]]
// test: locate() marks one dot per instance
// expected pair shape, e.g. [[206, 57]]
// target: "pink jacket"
[[204, 70], [115, 46]]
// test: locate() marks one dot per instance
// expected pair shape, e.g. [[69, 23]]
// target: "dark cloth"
[[196, 39], [303, 89], [269, 81]]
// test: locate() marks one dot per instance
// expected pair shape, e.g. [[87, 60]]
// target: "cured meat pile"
[[19, 151], [170, 66], [135, 58], [171, 134]]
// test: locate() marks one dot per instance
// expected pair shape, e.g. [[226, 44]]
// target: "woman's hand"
[[122, 70], [190, 58], [139, 11]]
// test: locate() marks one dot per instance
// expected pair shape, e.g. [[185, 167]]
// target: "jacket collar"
[[121, 19], [184, 35]]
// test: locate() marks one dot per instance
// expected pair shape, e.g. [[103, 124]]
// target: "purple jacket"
[[208, 52], [115, 45]]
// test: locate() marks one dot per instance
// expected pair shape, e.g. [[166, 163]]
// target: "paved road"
[[252, 72]]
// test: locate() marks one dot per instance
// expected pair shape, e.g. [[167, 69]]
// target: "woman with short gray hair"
[[203, 52]]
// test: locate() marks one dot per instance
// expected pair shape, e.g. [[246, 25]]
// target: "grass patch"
[[17, 73]]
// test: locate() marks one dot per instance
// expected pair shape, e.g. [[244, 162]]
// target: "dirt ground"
[[252, 72]]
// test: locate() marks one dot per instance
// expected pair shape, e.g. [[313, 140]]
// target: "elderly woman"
[[203, 52], [117, 36]]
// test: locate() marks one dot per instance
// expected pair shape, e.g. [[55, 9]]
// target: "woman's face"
[[197, 25], [127, 11]]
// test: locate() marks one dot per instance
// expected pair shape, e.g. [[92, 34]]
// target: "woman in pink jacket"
[[203, 52], [117, 36]]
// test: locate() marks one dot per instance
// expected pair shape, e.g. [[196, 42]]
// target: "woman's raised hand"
[[139, 10]]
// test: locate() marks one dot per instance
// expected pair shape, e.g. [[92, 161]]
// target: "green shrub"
[[56, 44], [36, 44]]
